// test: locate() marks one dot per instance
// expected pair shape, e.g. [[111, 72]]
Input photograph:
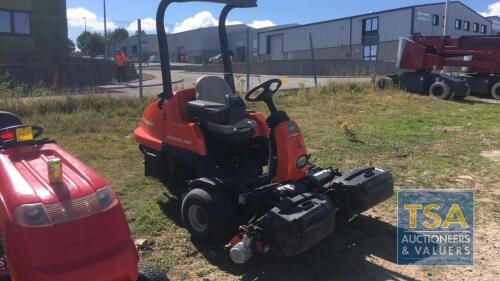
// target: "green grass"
[[425, 143]]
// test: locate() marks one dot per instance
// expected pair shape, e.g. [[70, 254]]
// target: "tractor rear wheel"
[[495, 91], [209, 215], [440, 90], [384, 83]]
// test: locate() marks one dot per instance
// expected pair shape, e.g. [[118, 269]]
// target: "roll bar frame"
[[166, 73]]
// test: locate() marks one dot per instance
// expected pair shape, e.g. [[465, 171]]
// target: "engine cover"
[[299, 223]]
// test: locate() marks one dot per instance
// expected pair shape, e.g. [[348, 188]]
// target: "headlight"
[[302, 161], [32, 215], [106, 198]]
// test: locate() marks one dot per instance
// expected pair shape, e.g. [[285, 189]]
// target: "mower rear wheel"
[[495, 91], [149, 273], [440, 90], [209, 215]]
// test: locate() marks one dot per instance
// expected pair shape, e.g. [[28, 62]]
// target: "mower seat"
[[219, 110]]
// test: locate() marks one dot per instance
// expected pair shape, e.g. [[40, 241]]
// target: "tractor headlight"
[[107, 198], [32, 215], [302, 161]]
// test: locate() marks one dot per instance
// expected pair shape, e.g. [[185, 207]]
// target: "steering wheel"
[[37, 130], [265, 91]]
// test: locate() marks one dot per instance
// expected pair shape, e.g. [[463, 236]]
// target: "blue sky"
[[276, 11]]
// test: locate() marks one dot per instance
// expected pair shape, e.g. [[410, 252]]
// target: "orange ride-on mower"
[[205, 138], [59, 219]]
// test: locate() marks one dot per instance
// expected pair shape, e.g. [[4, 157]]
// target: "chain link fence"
[[76, 54]]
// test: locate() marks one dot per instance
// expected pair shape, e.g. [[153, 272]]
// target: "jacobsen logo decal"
[[179, 140], [435, 227]]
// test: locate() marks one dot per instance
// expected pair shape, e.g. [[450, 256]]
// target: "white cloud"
[[202, 19], [206, 19], [493, 10], [83, 18], [148, 25], [261, 23]]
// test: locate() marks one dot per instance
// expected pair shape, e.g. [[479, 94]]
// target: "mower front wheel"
[[209, 215]]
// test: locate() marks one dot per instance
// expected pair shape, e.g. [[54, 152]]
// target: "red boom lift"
[[479, 55]]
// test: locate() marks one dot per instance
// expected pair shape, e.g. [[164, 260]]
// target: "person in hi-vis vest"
[[121, 65]]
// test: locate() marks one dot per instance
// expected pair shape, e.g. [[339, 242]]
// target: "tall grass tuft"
[[72, 104]]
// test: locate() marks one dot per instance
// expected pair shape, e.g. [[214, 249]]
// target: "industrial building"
[[372, 36], [32, 29], [496, 25], [199, 45]]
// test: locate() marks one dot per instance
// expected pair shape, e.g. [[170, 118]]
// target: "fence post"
[[248, 59], [313, 60], [106, 51], [139, 49]]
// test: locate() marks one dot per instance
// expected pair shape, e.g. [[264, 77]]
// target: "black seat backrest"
[[213, 89], [8, 119]]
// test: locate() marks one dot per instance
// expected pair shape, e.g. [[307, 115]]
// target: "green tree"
[[71, 46], [118, 35], [91, 44]]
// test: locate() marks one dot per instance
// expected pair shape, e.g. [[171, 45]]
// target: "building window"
[[370, 31], [370, 52], [5, 26], [458, 24], [435, 20], [467, 25], [370, 25], [15, 22], [475, 28], [22, 24], [484, 29]]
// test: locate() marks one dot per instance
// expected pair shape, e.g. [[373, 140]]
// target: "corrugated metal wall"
[[325, 35], [337, 33], [456, 11], [392, 25]]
